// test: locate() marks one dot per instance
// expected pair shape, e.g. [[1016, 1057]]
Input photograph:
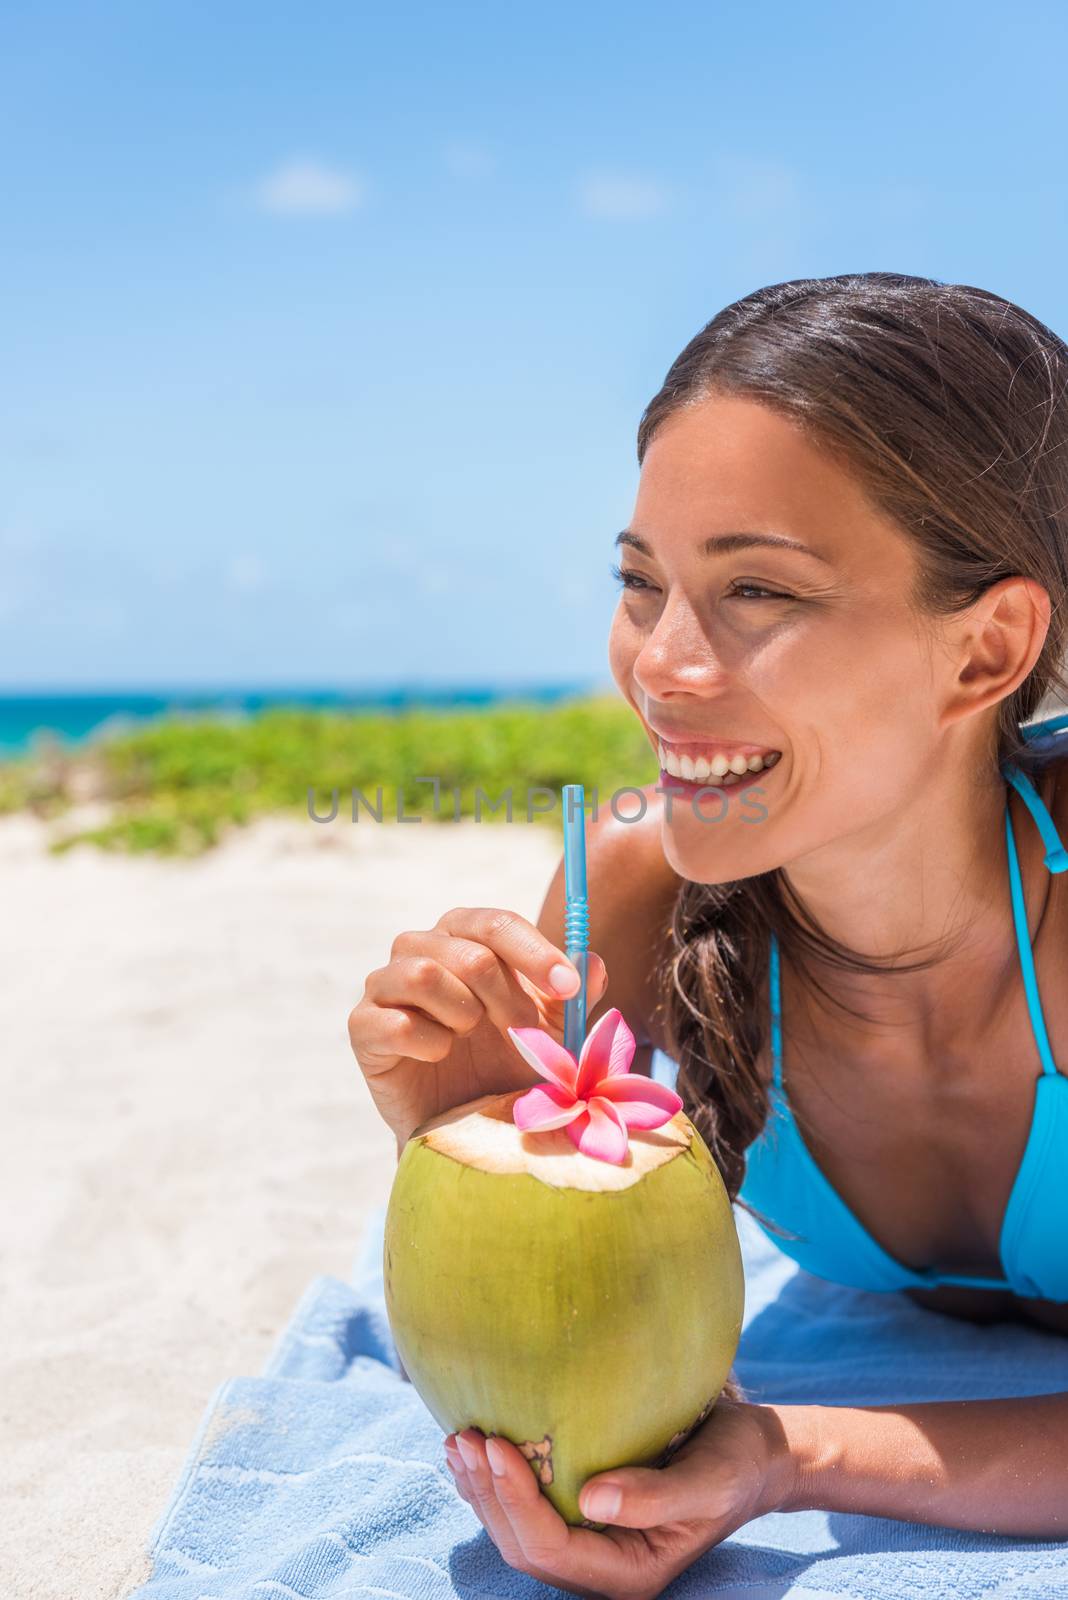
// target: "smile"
[[700, 763]]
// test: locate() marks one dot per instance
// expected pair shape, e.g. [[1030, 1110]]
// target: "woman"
[[844, 589]]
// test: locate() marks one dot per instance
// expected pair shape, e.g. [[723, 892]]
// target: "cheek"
[[623, 647]]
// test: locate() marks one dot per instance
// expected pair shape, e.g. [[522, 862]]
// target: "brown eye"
[[755, 591], [630, 579]]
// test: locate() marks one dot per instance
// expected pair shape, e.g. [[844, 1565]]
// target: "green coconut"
[[588, 1312]]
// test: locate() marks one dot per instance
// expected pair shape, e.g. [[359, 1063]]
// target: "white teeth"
[[720, 769]]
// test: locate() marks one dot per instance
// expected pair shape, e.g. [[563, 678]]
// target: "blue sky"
[[327, 327]]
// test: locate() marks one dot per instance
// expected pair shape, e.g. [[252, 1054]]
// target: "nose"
[[677, 657]]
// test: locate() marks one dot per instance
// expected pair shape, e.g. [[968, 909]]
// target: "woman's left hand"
[[728, 1472]]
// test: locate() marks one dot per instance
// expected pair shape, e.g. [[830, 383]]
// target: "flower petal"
[[600, 1132], [576, 1129], [542, 1109], [608, 1050], [640, 1101], [541, 1051]]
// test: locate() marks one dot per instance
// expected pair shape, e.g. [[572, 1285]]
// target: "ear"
[[994, 645]]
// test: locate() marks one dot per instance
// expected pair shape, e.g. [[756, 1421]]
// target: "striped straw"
[[576, 912]]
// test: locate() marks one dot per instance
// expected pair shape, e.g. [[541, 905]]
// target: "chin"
[[709, 853], [695, 856]]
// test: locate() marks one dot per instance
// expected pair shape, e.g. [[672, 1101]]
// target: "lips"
[[697, 744], [689, 758]]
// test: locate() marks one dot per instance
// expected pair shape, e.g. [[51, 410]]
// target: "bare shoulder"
[[632, 892]]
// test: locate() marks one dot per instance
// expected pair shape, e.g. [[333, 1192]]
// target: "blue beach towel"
[[325, 1477]]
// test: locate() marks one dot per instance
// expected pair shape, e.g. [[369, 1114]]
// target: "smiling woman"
[[844, 592], [849, 548], [849, 559]]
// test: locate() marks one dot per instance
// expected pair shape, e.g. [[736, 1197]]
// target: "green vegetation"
[[177, 785]]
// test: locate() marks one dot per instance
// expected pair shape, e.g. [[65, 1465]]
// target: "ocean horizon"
[[73, 717]]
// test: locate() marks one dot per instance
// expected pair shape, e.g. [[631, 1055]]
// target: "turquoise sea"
[[25, 719]]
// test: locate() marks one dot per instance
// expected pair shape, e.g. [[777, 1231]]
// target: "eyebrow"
[[722, 543]]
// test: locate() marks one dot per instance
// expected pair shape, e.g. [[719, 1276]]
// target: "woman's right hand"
[[431, 1029]]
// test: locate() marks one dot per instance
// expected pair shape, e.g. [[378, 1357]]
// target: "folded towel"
[[326, 1477]]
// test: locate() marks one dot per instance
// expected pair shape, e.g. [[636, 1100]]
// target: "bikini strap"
[[776, 1013], [1056, 855], [1030, 731], [1056, 860], [1023, 944]]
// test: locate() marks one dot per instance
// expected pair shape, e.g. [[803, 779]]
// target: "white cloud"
[[308, 189], [620, 196], [465, 159]]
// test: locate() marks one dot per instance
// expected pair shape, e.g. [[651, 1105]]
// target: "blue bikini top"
[[784, 1182]]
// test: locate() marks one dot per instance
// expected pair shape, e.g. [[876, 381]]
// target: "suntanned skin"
[[885, 813], [632, 887]]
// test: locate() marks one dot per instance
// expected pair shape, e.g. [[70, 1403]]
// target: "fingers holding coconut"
[[541, 1534], [479, 1490], [647, 1497], [531, 1536]]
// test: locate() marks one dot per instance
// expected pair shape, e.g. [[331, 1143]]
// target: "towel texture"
[[325, 1477]]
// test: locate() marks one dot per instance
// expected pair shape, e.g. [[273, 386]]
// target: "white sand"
[[188, 1141]]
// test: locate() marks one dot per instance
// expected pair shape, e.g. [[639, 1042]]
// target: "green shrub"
[[176, 785]]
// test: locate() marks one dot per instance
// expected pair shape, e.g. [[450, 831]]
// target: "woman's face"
[[728, 646]]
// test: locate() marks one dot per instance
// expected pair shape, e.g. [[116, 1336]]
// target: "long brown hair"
[[948, 404]]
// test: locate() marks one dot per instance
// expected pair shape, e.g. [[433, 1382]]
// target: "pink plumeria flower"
[[595, 1098]]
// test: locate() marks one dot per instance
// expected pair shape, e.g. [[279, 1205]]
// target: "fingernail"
[[498, 1462], [468, 1452], [565, 980], [603, 1503]]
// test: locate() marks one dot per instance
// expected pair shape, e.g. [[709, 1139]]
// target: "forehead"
[[732, 463]]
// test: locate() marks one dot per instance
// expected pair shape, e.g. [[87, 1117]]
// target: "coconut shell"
[[586, 1311]]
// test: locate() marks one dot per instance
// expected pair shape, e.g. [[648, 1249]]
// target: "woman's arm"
[[996, 1466]]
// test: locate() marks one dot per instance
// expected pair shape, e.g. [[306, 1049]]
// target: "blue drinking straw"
[[576, 911]]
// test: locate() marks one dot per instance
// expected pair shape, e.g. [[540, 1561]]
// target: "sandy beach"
[[188, 1141]]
